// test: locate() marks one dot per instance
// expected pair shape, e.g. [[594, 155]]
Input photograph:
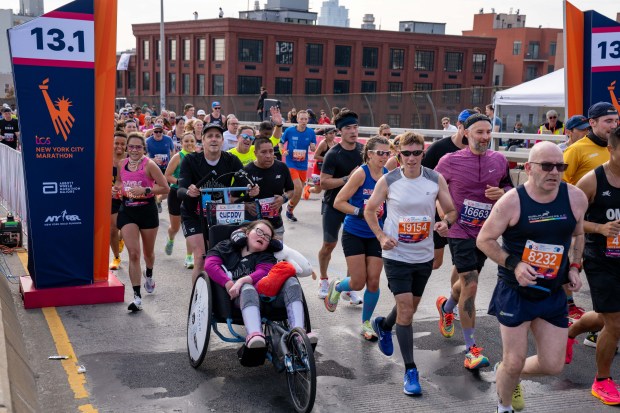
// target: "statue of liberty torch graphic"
[[59, 111]]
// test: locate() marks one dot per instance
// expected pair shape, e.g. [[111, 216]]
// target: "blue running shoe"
[[385, 337], [412, 383], [289, 215]]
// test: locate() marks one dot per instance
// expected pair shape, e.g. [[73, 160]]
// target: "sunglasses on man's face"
[[246, 136], [387, 135], [414, 153], [553, 117], [217, 108], [548, 166]]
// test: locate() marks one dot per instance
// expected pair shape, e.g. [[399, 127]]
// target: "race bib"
[[299, 155], [161, 159], [230, 213], [9, 137], [613, 247], [133, 200], [266, 210], [414, 229], [474, 213], [544, 258]]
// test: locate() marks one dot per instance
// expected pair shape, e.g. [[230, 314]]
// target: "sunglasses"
[[414, 153], [134, 147], [380, 153], [246, 136], [158, 131], [217, 108], [131, 113], [553, 117], [262, 234], [386, 134], [548, 166]]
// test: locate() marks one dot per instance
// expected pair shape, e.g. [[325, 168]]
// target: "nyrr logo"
[[59, 112], [62, 219]]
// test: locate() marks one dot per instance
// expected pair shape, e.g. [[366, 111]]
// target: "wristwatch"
[[345, 179], [147, 191]]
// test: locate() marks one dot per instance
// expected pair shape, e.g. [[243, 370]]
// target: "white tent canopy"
[[547, 90]]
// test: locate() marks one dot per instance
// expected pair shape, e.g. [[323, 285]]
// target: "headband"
[[346, 121], [478, 117]]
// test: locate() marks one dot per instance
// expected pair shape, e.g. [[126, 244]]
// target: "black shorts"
[[144, 216], [354, 245], [404, 277], [512, 309], [191, 225], [439, 241], [116, 205], [604, 279], [174, 203], [465, 255], [332, 221]]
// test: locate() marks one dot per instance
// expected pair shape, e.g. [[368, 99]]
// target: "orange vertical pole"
[[573, 59], [105, 88]]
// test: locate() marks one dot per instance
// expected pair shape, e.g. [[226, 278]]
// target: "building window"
[[550, 68], [187, 50], [200, 85], [516, 47], [172, 83], [314, 54], [313, 87], [146, 51], [131, 80], [393, 120], [531, 72], [342, 56], [119, 78], [533, 50], [157, 49], [146, 81], [249, 85], [369, 86], [219, 50], [454, 62], [186, 84], [477, 95], [422, 86], [341, 86], [217, 85], [396, 88], [370, 57], [424, 60], [552, 47], [530, 118], [284, 53], [480, 63], [449, 96], [397, 59], [201, 46], [172, 47], [284, 86], [250, 50], [497, 80], [157, 82]]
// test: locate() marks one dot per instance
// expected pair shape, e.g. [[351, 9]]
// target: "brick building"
[[221, 57]]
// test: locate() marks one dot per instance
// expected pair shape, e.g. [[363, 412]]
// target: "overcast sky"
[[458, 14]]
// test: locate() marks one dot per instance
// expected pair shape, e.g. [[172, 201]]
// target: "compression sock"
[[370, 302], [389, 321], [136, 291], [343, 285], [404, 334], [449, 305], [251, 319], [295, 312], [149, 272], [468, 334]]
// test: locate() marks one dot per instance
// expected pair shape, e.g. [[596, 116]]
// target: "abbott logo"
[[50, 188], [62, 219]]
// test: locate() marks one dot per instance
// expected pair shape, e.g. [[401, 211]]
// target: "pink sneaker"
[[606, 391], [569, 350]]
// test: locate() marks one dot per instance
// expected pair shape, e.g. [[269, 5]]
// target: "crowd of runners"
[[399, 204]]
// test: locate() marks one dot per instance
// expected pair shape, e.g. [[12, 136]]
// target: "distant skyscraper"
[[31, 7], [332, 14]]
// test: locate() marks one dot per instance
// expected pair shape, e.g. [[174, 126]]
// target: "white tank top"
[[411, 215]]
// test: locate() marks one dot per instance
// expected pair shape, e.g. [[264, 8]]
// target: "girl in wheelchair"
[[238, 264]]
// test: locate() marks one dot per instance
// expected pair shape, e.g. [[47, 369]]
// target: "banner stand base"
[[111, 291]]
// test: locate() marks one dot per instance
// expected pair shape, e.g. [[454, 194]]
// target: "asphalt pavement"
[[138, 362]]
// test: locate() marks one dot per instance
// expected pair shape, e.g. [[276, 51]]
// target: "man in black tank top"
[[602, 267], [536, 222]]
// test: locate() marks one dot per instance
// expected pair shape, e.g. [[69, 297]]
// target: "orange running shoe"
[[446, 326], [307, 192], [474, 358]]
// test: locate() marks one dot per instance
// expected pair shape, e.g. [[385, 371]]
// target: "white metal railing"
[[12, 185]]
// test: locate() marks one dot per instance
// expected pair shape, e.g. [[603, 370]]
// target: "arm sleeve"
[[261, 271], [215, 271]]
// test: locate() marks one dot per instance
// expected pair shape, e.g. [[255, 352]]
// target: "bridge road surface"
[[138, 362]]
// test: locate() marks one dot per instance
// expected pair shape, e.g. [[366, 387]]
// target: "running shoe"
[[169, 247], [149, 283], [289, 214], [136, 304], [518, 402], [411, 383], [189, 262], [352, 297], [606, 391], [307, 192], [368, 332], [474, 358], [116, 263], [323, 288], [333, 296], [385, 337], [590, 339], [569, 350], [575, 312], [121, 245], [446, 326]]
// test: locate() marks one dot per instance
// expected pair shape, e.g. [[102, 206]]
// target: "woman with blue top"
[[362, 250]]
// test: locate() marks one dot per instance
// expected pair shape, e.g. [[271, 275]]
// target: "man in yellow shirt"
[[245, 148], [591, 151]]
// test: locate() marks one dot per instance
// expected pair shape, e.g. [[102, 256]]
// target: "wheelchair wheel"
[[199, 320], [300, 370]]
